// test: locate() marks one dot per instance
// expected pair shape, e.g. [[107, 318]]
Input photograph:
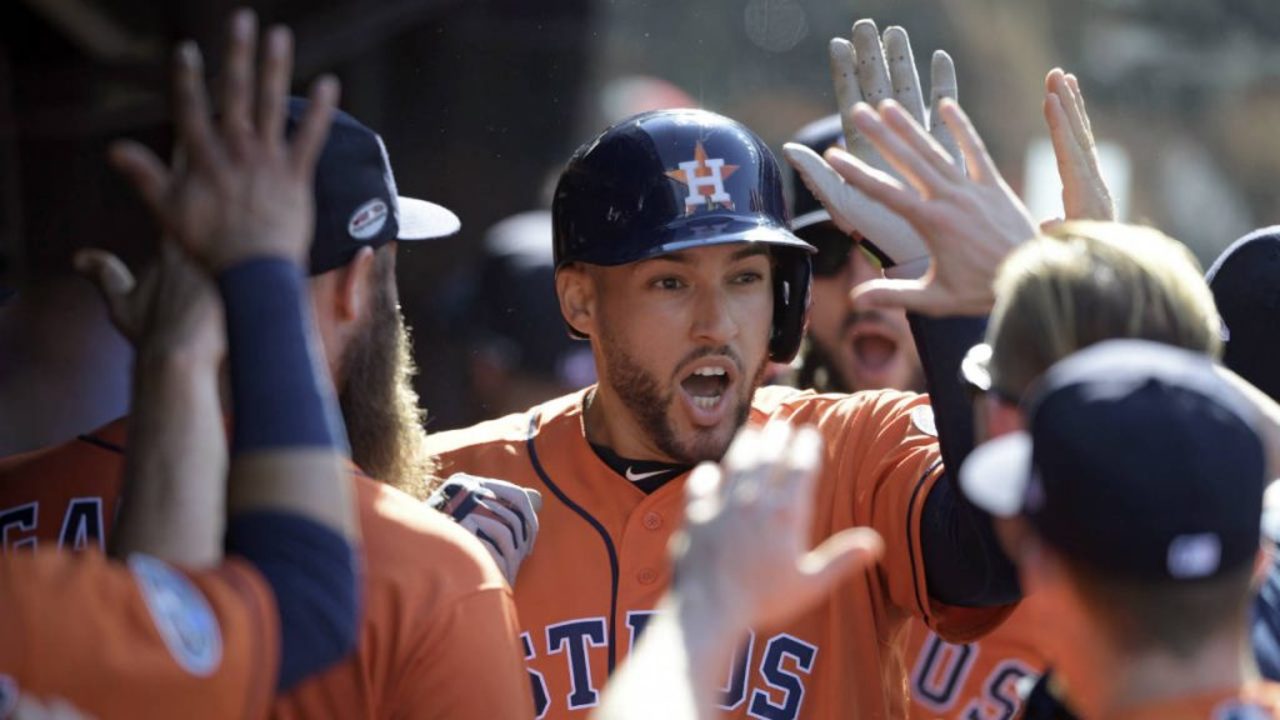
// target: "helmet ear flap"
[[792, 276]]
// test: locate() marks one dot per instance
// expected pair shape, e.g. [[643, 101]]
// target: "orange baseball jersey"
[[978, 680], [601, 564], [439, 637], [136, 640]]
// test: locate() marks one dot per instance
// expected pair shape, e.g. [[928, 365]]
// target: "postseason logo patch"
[[181, 613], [368, 220]]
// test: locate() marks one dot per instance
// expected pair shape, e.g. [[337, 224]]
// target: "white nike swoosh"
[[637, 477]]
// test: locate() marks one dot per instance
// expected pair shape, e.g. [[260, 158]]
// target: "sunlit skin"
[[869, 349], [653, 325]]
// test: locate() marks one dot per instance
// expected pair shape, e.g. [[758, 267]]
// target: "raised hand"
[[868, 70], [1085, 195], [968, 223], [750, 577], [241, 190], [174, 309]]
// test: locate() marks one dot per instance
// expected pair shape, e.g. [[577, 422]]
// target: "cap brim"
[[996, 473], [422, 220]]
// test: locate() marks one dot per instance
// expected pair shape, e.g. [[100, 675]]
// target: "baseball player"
[[155, 640], [674, 260], [1151, 597], [956, 681], [1244, 279], [436, 609]]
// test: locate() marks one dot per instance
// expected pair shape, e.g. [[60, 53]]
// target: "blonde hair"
[[1084, 282]]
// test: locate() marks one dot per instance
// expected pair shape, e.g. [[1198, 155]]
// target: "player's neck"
[[1124, 681], [608, 422]]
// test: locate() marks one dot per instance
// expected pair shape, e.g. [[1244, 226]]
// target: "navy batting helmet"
[[669, 180]]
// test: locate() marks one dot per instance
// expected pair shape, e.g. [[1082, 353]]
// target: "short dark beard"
[[643, 396], [379, 405]]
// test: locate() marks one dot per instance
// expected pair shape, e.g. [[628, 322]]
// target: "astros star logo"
[[705, 179]]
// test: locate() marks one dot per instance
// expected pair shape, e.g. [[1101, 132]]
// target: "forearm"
[[964, 563], [289, 492], [677, 666], [289, 446], [176, 464]]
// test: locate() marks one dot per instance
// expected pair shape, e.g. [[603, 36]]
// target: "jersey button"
[[646, 576], [652, 521]]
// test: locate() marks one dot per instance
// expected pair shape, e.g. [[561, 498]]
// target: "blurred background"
[[481, 101]]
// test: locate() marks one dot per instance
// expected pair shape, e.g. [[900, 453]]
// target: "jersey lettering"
[[541, 701], [637, 621], [779, 678], [576, 635], [1000, 699], [16, 520], [736, 690], [940, 672], [82, 524]]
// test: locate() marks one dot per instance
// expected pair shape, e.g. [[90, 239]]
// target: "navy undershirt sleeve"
[[964, 564], [280, 402], [312, 571]]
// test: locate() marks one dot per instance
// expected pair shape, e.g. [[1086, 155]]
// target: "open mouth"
[[705, 389], [874, 349]]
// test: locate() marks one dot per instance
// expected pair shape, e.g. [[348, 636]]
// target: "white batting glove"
[[504, 516], [869, 71]]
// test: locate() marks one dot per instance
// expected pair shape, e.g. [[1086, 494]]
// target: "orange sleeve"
[[468, 663], [889, 452], [138, 640]]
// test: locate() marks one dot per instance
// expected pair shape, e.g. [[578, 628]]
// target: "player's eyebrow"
[[685, 257]]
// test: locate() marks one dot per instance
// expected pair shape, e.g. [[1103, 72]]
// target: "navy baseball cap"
[[1245, 280], [1139, 460], [357, 204], [515, 312]]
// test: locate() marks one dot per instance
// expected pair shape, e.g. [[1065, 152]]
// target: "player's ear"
[[576, 290], [354, 286]]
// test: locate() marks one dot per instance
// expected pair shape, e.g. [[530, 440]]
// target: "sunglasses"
[[834, 249]]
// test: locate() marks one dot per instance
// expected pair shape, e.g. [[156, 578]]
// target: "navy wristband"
[[315, 577], [277, 394]]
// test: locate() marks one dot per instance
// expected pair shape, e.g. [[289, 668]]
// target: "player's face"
[[867, 349], [684, 343]]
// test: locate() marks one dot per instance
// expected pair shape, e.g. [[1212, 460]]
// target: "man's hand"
[[504, 516], [969, 223], [744, 551], [1085, 195], [240, 191], [870, 71], [174, 310]]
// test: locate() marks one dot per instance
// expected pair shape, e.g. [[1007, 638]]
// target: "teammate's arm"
[[175, 472], [242, 206], [730, 576]]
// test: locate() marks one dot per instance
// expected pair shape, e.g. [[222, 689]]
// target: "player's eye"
[[667, 282], [748, 278]]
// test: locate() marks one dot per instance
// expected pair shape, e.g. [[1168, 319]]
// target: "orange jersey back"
[[600, 564], [439, 638], [142, 640], [979, 679], [63, 497]]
